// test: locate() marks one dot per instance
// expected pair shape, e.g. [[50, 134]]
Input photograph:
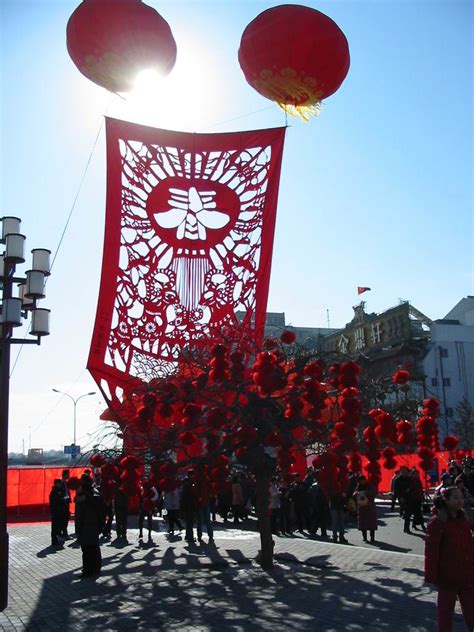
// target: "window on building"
[[446, 381], [449, 412], [434, 381], [443, 352]]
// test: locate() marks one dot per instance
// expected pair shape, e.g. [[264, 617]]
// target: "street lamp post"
[[16, 304], [74, 401]]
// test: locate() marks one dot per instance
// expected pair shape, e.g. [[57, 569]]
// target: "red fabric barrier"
[[28, 490]]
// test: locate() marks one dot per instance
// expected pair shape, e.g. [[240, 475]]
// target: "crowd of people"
[[302, 504], [407, 491], [296, 504]]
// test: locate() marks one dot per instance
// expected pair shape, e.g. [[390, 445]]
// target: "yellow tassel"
[[304, 112], [287, 84]]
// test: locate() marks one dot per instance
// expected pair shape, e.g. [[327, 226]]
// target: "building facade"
[[449, 361], [439, 354], [392, 339], [275, 323]]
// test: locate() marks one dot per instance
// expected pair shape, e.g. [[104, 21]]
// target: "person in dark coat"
[[400, 485], [366, 510], [337, 504], [468, 477], [299, 497], [449, 558], [109, 517], [90, 522], [414, 503], [203, 506], [147, 505], [189, 504], [319, 509], [285, 509], [67, 503], [351, 502], [57, 509], [121, 506]]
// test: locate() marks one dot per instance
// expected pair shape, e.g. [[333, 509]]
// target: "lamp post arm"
[[74, 401]]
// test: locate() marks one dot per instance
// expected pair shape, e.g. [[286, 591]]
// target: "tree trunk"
[[265, 555]]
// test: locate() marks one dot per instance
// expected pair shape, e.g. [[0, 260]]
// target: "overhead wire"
[[94, 145], [236, 118]]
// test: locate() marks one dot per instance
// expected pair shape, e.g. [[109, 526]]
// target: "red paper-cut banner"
[[188, 243]]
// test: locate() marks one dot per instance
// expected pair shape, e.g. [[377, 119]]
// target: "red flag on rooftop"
[[361, 290]]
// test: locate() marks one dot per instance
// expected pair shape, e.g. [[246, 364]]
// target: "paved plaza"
[[166, 584]]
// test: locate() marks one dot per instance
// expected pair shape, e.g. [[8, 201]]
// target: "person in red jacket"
[[449, 558]]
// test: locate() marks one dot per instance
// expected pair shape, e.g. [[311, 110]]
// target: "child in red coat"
[[449, 558]]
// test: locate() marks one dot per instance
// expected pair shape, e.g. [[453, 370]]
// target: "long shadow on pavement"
[[172, 591]]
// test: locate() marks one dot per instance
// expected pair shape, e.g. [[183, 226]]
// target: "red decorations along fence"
[[28, 488], [110, 42], [188, 243], [294, 55]]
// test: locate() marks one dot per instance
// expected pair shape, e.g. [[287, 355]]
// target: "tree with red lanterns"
[[267, 409]]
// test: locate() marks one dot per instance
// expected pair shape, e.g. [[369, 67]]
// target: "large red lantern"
[[111, 41], [294, 55]]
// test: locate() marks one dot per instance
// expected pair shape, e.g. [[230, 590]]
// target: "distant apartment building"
[[275, 323], [439, 354], [449, 360]]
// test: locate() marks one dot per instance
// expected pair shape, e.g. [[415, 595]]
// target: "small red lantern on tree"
[[294, 55], [111, 42], [450, 442], [401, 377], [288, 337]]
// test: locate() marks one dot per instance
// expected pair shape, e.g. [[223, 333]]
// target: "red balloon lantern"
[[111, 41], [294, 55]]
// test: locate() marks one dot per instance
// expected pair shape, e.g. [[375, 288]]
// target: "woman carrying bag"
[[366, 510]]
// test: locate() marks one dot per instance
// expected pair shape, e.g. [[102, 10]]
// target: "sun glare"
[[147, 82], [185, 99]]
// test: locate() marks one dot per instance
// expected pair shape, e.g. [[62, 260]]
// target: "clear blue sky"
[[377, 191]]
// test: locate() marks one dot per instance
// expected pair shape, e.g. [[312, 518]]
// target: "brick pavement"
[[167, 585]]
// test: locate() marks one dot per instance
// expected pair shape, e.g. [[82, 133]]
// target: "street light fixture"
[[74, 400], [13, 311]]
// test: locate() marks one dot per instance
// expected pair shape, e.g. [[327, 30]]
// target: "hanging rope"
[[78, 189]]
